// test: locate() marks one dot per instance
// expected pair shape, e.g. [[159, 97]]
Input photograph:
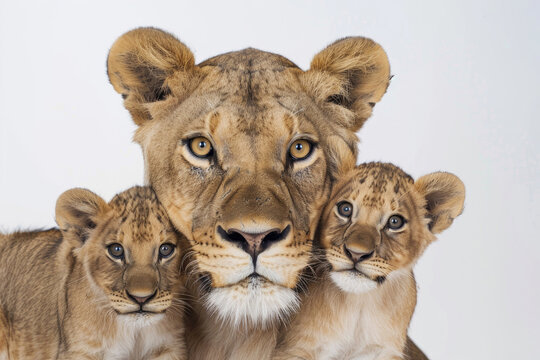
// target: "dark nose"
[[357, 256], [141, 299], [254, 243]]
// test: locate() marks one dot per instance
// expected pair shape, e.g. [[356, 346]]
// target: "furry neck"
[[210, 338]]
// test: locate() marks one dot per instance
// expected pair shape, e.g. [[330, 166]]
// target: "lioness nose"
[[357, 256], [254, 243], [141, 299]]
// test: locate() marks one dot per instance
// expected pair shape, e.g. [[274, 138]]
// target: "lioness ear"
[[341, 157], [445, 195], [140, 65], [352, 73], [77, 211]]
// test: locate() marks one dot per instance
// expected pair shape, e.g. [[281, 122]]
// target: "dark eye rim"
[[403, 222], [338, 206], [312, 146], [173, 248], [118, 257], [189, 140]]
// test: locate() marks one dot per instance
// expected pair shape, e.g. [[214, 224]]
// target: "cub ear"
[[445, 195], [77, 211], [140, 65], [352, 73]]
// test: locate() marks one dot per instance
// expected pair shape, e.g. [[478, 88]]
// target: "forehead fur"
[[253, 86], [378, 181], [139, 200], [138, 206], [250, 78], [249, 60]]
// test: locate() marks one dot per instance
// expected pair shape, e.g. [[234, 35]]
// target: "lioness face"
[[131, 255], [379, 222], [242, 150], [254, 179]]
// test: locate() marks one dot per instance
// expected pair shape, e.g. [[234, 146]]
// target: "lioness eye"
[[395, 222], [345, 209], [116, 250], [166, 250], [200, 147], [300, 149]]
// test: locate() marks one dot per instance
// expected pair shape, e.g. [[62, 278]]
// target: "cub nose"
[[254, 243], [357, 256], [140, 298]]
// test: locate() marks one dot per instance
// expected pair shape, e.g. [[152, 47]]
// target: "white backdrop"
[[465, 99]]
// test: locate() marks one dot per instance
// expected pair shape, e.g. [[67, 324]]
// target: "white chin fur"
[[352, 282], [139, 321], [254, 301]]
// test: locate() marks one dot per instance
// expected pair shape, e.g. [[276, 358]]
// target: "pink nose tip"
[[357, 256], [141, 299]]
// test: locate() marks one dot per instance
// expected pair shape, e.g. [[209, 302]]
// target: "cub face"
[[241, 150], [379, 221], [128, 248]]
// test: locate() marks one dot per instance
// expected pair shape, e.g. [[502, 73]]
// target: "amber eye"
[[200, 147], [300, 149], [345, 208], [395, 222], [116, 251], [166, 250]]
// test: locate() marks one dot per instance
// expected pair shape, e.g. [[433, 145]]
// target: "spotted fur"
[[362, 308], [65, 297]]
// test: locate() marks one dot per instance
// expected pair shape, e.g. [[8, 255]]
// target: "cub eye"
[[201, 147], [345, 209], [395, 222], [300, 149], [166, 250], [116, 251]]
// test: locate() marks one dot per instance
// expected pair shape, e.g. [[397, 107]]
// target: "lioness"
[[376, 226], [242, 150], [104, 286]]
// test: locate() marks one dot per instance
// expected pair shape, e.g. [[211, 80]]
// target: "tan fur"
[[357, 71], [250, 105], [65, 297], [363, 310]]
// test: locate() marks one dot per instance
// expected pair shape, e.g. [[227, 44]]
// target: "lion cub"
[[375, 227], [104, 286]]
